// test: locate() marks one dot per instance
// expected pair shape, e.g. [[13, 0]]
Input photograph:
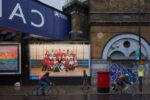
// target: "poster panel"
[[10, 58], [61, 60]]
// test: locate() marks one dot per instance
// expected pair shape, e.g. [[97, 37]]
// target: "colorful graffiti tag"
[[117, 70]]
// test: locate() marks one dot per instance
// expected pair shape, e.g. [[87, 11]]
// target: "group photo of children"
[[60, 60]]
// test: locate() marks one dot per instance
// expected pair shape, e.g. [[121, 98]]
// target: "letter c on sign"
[[42, 19]]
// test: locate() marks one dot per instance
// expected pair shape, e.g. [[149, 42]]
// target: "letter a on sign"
[[20, 14], [0, 8]]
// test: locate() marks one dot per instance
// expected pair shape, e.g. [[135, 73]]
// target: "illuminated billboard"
[[10, 58], [61, 60]]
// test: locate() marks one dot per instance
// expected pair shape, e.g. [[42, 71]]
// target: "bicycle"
[[126, 89], [130, 89], [50, 90]]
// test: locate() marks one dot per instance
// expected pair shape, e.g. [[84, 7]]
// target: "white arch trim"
[[105, 53]]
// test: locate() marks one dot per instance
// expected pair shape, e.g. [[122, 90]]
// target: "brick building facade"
[[116, 28], [114, 17], [100, 21]]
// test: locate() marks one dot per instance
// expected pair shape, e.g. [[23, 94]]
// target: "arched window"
[[124, 45]]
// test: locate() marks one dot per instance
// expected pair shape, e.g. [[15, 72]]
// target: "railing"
[[118, 17], [69, 1]]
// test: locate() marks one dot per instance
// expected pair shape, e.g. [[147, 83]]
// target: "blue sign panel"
[[137, 55], [32, 17]]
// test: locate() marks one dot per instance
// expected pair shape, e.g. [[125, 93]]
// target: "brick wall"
[[118, 5], [98, 44]]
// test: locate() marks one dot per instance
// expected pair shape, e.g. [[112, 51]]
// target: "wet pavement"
[[65, 93], [77, 97]]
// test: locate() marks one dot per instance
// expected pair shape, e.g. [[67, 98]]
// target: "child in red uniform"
[[45, 61]]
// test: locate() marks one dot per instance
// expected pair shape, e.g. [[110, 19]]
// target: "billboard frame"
[[18, 72], [58, 43]]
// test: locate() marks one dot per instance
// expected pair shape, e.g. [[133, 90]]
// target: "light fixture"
[[100, 35]]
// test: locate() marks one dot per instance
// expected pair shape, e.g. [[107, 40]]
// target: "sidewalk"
[[27, 90], [63, 90], [65, 93]]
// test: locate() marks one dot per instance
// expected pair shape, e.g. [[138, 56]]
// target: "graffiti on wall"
[[116, 70]]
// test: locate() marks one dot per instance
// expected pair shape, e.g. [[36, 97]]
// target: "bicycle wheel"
[[116, 89], [52, 91], [131, 90], [36, 91]]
